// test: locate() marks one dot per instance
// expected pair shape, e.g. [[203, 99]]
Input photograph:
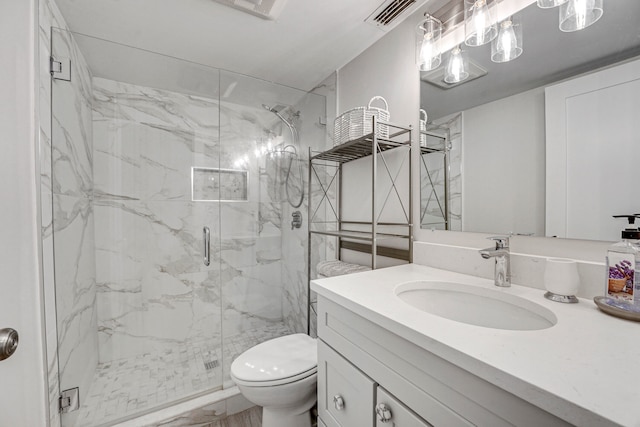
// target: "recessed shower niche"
[[211, 184]]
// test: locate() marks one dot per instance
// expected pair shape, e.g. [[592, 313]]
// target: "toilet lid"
[[277, 359]]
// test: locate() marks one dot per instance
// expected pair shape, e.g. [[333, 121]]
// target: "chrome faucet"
[[502, 274]]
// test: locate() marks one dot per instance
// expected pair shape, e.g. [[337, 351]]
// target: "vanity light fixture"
[[507, 46], [547, 4], [479, 24], [579, 14], [456, 69], [480, 28], [428, 35]]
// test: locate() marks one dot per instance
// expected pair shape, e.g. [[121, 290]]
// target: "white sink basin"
[[475, 305]]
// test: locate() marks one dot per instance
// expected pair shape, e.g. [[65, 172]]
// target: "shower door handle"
[[206, 237]]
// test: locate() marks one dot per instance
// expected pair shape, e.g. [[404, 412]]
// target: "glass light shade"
[[507, 46], [547, 4], [457, 66], [579, 14], [479, 23], [428, 35]]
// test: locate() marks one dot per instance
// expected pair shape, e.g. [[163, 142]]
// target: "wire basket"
[[423, 128], [357, 122]]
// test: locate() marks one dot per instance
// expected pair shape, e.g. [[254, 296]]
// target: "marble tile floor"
[[128, 386]]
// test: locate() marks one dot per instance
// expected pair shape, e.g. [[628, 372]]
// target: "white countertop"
[[584, 369]]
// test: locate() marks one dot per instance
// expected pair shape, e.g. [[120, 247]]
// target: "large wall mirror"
[[545, 145]]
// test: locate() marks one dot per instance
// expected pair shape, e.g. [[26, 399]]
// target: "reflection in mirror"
[[501, 160], [440, 179], [434, 170]]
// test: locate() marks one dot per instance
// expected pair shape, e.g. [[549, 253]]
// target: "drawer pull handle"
[[338, 401], [383, 412]]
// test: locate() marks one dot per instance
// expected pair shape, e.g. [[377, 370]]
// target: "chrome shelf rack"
[[362, 236]]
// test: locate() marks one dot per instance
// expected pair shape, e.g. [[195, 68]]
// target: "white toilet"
[[280, 375]]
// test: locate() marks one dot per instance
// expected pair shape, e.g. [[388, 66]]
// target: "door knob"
[[8, 342]]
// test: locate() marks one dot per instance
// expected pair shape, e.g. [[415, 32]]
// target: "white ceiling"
[[310, 40]]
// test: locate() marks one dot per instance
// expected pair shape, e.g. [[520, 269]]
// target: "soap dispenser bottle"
[[623, 264]]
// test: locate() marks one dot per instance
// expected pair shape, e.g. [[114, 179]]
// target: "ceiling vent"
[[265, 9], [392, 12], [436, 77]]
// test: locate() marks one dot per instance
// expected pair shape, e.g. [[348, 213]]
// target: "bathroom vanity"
[[384, 360]]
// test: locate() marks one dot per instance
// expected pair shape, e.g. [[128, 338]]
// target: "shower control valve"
[[296, 221]]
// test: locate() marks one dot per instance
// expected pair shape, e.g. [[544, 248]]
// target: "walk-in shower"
[[143, 157]]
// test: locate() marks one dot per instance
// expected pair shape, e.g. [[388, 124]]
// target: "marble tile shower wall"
[[154, 292], [314, 135], [71, 184], [251, 255], [295, 240], [318, 137]]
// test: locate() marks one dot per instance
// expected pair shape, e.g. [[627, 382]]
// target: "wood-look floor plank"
[[250, 418]]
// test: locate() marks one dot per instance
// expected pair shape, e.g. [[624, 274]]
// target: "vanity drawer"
[[391, 413], [345, 395]]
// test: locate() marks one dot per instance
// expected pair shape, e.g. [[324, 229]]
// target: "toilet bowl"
[[280, 375]]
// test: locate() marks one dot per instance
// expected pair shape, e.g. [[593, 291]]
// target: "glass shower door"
[[136, 186]]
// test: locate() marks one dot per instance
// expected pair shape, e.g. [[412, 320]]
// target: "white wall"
[[23, 400], [387, 69], [504, 143]]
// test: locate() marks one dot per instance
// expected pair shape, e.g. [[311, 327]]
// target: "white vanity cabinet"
[[362, 366]]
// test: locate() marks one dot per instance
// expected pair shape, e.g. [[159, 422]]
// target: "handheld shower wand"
[[294, 144]]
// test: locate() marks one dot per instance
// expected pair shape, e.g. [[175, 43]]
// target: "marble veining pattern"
[[151, 279], [127, 386], [315, 136], [147, 140], [321, 247], [155, 294], [72, 134]]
